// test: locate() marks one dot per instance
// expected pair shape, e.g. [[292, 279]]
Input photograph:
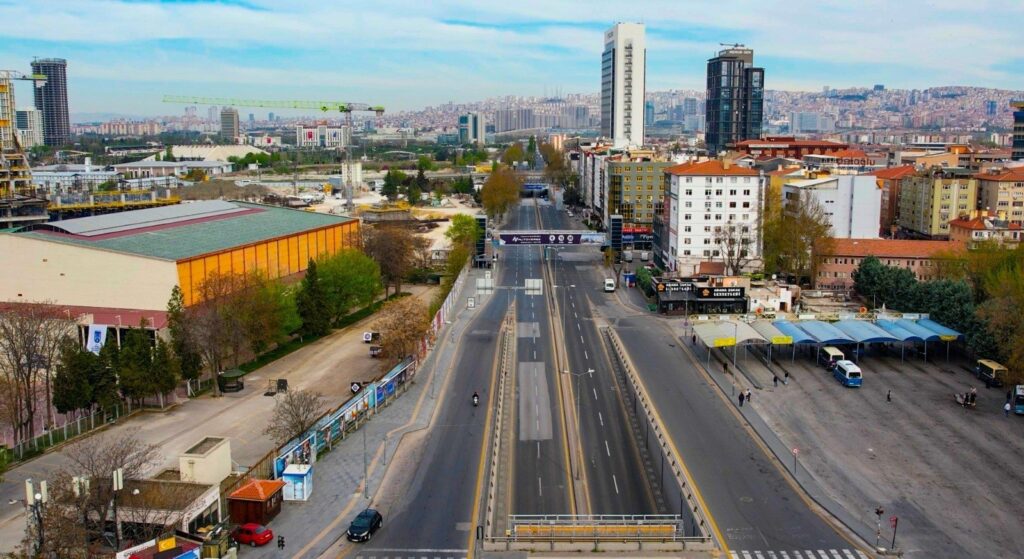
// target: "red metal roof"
[[893, 248], [257, 490], [1013, 174], [894, 173], [713, 167]]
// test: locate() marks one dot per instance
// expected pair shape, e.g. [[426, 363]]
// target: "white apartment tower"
[[623, 84]]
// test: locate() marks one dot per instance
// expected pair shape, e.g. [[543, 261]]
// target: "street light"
[[35, 501]]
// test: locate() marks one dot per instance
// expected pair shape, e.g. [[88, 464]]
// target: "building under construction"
[[18, 205]]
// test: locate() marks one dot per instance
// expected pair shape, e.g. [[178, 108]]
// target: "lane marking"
[[540, 487], [581, 339], [600, 419], [607, 449], [595, 393], [585, 356], [616, 482]]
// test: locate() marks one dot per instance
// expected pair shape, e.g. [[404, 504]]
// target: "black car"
[[364, 525]]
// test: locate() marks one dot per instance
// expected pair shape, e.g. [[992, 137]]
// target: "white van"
[[847, 373], [609, 285]]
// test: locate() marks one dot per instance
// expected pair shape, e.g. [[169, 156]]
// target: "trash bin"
[[282, 385]]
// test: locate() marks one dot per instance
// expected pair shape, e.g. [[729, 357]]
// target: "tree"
[[31, 335], [735, 242], [402, 324], [169, 155], [463, 230], [76, 365], [294, 413], [135, 364], [105, 390], [423, 163], [413, 194], [795, 241], [190, 363], [512, 154], [531, 147], [349, 279], [316, 319], [462, 185], [392, 182], [500, 192], [392, 248], [164, 370]]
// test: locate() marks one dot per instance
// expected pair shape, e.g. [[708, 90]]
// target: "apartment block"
[[929, 200]]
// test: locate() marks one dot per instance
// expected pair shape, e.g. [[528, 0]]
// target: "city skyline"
[[124, 56]]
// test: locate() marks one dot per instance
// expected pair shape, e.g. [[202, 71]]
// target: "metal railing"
[[597, 527]]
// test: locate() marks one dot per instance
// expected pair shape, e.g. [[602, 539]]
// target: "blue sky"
[[123, 55]]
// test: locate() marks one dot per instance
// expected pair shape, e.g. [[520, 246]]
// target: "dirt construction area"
[[952, 476]]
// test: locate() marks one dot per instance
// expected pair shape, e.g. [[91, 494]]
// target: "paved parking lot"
[[951, 475]]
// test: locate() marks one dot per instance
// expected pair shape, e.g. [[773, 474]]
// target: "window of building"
[[707, 253], [707, 228], [718, 217], [687, 217], [707, 192], [689, 192], [733, 204], [718, 204], [686, 229], [707, 217], [746, 192], [686, 253], [689, 204], [718, 179], [689, 179], [718, 192]]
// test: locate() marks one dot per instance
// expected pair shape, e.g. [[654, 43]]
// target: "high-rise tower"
[[735, 99], [623, 84], [52, 100], [229, 129]]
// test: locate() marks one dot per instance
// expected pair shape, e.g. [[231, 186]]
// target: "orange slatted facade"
[[277, 258]]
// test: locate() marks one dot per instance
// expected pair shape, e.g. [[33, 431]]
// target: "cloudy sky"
[[123, 55]]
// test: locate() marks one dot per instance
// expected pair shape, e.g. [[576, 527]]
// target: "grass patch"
[[297, 343]]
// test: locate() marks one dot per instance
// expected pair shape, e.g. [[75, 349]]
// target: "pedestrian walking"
[[888, 396], [742, 397], [748, 395], [280, 542], [725, 367], [693, 339], [1006, 409], [775, 380], [786, 381]]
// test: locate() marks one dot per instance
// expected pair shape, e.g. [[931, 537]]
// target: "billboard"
[[97, 337]]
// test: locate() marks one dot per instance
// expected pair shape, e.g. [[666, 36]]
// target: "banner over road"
[[550, 237]]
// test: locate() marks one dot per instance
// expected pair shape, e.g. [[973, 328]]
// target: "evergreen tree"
[[391, 183], [135, 365], [71, 388], [316, 320], [189, 361], [104, 376], [164, 371]]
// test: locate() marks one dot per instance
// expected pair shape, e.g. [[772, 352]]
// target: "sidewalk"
[[316, 528], [239, 416]]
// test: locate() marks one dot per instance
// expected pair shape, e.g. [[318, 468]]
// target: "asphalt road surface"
[[753, 505], [616, 482]]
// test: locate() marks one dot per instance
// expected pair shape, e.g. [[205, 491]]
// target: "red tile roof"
[[978, 224], [894, 173], [1010, 174], [789, 142], [711, 168], [893, 248], [711, 268], [257, 490], [848, 154]]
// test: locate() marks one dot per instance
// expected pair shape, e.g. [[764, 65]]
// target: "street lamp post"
[[36, 501], [118, 485], [878, 526]]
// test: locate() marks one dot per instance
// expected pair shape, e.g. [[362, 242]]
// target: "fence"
[[69, 430]]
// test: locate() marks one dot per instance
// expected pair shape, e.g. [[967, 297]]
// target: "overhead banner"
[[97, 337]]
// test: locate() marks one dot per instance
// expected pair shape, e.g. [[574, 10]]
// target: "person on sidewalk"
[[280, 542], [775, 380], [786, 381], [1006, 409], [747, 393], [742, 397], [888, 396]]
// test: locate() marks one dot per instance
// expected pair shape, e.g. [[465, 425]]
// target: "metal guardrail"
[[679, 472], [507, 365], [596, 527]]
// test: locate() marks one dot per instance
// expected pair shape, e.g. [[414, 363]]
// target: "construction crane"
[[344, 107], [15, 177]]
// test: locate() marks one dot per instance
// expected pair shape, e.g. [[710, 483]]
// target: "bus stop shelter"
[[774, 336], [796, 335], [863, 332], [725, 333]]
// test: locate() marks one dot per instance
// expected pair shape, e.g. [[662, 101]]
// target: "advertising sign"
[[720, 292], [97, 337]]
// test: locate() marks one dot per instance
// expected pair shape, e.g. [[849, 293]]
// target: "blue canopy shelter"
[[863, 332], [824, 334], [945, 334], [796, 335], [925, 334], [898, 332]]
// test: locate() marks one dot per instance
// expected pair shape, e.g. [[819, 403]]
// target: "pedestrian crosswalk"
[[412, 554], [800, 554]]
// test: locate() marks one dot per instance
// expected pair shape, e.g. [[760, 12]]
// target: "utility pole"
[[36, 502]]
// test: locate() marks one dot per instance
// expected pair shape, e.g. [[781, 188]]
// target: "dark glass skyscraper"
[[735, 99], [1018, 131], [52, 100]]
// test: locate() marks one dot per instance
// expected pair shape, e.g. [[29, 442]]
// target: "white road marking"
[[540, 488], [607, 449], [538, 450], [595, 393], [535, 355], [581, 338], [585, 356], [600, 419], [616, 484], [574, 315]]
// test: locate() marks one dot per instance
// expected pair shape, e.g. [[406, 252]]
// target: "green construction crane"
[[323, 106]]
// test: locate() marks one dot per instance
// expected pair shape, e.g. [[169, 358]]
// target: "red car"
[[253, 534]]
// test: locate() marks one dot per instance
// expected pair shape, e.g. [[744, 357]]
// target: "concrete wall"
[[38, 270], [210, 467]]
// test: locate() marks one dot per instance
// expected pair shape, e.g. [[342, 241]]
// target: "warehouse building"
[[126, 264]]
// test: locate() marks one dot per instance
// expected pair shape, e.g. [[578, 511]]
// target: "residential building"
[[923, 257], [980, 226], [735, 99], [804, 122], [51, 99], [623, 84], [890, 182], [472, 129], [787, 146], [322, 136], [1018, 131], [851, 202], [649, 114], [929, 200], [636, 187], [925, 159], [702, 199], [1002, 190], [229, 128], [29, 124]]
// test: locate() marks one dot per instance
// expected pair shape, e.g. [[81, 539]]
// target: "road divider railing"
[[593, 532], [676, 484], [506, 369]]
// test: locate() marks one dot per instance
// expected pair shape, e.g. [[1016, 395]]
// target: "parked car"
[[364, 525], [253, 534]]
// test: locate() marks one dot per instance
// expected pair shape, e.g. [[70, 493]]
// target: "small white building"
[[700, 200], [142, 169], [322, 136], [853, 203]]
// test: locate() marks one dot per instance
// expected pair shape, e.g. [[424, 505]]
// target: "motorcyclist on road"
[[476, 398]]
